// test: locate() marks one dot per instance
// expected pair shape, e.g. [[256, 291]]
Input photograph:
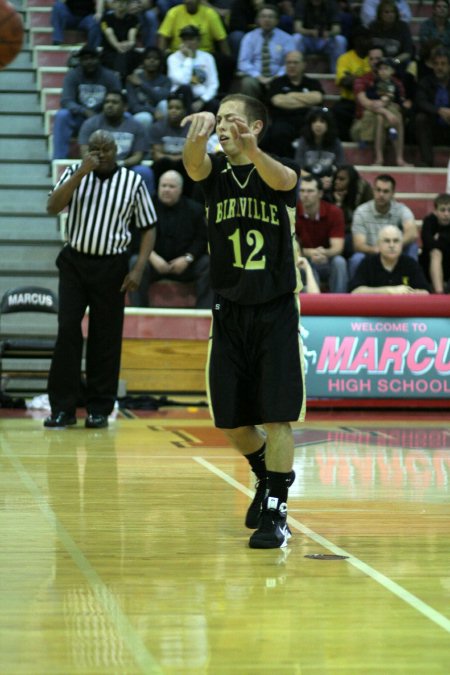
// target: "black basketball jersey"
[[251, 233]]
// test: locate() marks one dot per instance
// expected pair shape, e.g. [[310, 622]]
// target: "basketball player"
[[255, 369]]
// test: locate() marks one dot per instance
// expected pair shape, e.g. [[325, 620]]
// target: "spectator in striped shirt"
[[102, 199]]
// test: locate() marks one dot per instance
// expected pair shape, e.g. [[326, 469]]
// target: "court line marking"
[[127, 633], [390, 585]]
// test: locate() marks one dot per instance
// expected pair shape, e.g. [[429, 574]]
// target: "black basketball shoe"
[[254, 510], [273, 531]]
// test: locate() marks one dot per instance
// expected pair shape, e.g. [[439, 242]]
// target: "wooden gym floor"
[[124, 551]]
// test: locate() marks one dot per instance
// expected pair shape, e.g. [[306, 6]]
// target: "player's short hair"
[[254, 109], [442, 200]]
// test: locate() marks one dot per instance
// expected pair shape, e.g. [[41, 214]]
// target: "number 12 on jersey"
[[255, 241]]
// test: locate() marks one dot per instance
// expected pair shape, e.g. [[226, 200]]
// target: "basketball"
[[11, 33]]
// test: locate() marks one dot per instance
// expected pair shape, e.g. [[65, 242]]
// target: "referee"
[[102, 199]]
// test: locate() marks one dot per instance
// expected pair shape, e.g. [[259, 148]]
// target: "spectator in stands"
[[391, 34], [148, 89], [432, 119], [81, 15], [167, 138], [102, 201], [242, 20], [386, 117], [147, 13], [435, 257], [389, 271], [360, 85], [368, 11], [128, 135], [319, 151], [291, 98], [213, 36], [180, 252], [317, 29], [351, 65], [320, 230], [196, 70], [435, 31], [243, 14], [120, 31], [84, 90], [349, 190], [262, 53], [370, 217], [222, 7]]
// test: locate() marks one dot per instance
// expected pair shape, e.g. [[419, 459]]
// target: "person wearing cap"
[[81, 15], [194, 69], [213, 36], [84, 90]]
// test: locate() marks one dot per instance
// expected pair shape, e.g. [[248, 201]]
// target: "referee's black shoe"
[[96, 421], [60, 420], [273, 530], [254, 510]]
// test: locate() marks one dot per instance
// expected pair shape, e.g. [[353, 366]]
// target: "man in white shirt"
[[194, 69]]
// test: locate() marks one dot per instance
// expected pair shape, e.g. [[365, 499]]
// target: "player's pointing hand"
[[202, 125]]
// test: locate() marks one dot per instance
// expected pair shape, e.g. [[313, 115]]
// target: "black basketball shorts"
[[255, 370]]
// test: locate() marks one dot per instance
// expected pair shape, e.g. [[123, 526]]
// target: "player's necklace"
[[245, 183]]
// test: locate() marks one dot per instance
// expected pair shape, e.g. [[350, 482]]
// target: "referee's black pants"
[[94, 282]]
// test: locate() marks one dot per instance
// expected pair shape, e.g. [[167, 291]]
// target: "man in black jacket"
[[180, 251], [291, 98], [389, 271], [433, 107]]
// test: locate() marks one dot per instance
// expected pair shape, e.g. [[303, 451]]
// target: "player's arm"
[[274, 173], [195, 158]]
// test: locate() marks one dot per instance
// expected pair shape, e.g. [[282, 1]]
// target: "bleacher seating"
[[415, 187]]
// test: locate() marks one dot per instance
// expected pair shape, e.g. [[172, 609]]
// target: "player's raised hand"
[[202, 125], [242, 135]]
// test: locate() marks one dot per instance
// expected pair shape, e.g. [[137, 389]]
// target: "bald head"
[[170, 187], [390, 244], [103, 146], [103, 137], [390, 232]]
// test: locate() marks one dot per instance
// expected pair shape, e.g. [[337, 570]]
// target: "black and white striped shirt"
[[101, 210]]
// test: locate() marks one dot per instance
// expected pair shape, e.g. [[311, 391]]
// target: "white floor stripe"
[[390, 585]]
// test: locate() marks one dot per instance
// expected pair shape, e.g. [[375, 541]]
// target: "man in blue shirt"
[[262, 53]]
